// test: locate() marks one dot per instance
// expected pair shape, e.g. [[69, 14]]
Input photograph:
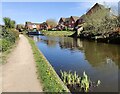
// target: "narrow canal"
[[99, 60]]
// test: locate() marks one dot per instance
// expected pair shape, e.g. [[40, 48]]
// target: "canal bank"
[[49, 78], [110, 37], [57, 33]]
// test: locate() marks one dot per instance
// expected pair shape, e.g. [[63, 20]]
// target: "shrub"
[[0, 45], [9, 37], [8, 33], [5, 45]]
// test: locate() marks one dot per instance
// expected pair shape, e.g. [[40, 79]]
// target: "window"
[[72, 22]]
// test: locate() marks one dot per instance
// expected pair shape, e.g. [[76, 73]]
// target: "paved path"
[[19, 73]]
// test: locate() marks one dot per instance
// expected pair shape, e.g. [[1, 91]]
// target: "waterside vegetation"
[[50, 80], [57, 33], [75, 82], [9, 36], [100, 25]]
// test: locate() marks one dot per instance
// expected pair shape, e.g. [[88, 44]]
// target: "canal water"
[[99, 60]]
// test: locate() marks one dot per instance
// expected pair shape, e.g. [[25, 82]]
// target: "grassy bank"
[[50, 80], [57, 33]]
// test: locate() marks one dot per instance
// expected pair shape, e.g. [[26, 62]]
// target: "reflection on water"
[[99, 60]]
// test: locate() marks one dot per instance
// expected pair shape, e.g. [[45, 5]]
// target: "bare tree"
[[51, 22]]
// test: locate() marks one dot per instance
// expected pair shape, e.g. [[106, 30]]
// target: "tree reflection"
[[71, 43], [95, 53]]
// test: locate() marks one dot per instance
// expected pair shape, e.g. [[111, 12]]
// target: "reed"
[[75, 81]]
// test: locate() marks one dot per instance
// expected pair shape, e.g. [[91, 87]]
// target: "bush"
[[9, 37], [5, 45], [0, 45]]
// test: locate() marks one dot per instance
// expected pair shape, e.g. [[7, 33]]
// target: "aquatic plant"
[[84, 82], [69, 79], [98, 83], [73, 80]]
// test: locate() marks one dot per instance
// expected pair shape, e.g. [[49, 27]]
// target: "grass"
[[5, 55], [57, 33], [48, 77]]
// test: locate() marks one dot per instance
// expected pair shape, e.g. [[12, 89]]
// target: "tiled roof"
[[75, 17], [63, 19], [67, 19]]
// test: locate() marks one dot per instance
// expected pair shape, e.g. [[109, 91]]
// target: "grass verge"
[[47, 75], [5, 55], [57, 33]]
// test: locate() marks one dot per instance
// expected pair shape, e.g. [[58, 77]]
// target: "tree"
[[94, 21], [12, 24], [51, 22], [20, 26], [118, 22], [8, 22]]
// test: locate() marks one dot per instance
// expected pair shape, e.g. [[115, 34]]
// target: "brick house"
[[61, 21], [81, 20], [31, 26], [73, 20], [67, 22], [43, 26]]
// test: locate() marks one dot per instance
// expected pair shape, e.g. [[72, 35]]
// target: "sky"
[[39, 12]]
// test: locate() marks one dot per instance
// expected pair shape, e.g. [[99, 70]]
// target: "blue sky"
[[41, 11]]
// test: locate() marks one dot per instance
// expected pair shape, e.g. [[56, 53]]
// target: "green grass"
[[4, 55], [48, 77], [57, 33]]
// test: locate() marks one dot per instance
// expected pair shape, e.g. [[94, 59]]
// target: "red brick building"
[[68, 22], [30, 25], [61, 21], [73, 20]]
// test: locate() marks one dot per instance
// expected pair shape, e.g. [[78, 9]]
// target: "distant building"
[[73, 20], [61, 21], [30, 25], [67, 22], [43, 26]]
